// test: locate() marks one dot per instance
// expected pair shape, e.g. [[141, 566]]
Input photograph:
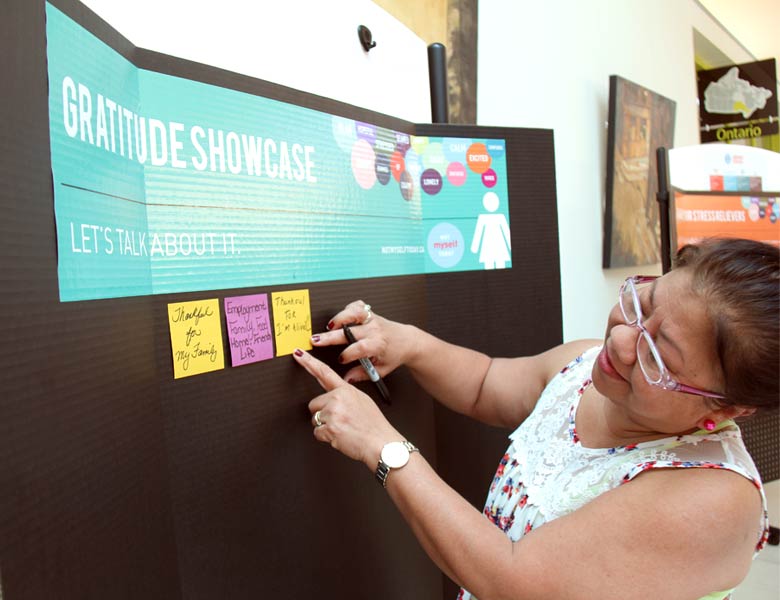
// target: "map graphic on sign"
[[730, 95]]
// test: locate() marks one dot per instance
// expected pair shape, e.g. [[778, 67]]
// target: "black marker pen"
[[369, 368]]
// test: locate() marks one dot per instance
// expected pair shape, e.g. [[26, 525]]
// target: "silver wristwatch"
[[393, 456]]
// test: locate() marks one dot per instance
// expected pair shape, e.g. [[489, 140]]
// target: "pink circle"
[[363, 164], [489, 178], [456, 173]]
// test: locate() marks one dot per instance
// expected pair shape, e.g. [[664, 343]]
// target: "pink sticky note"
[[249, 329]]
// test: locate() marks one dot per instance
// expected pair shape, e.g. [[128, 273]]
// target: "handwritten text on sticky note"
[[249, 329], [196, 337], [292, 321]]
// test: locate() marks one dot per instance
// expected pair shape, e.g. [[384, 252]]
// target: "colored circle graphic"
[[413, 164], [455, 148], [431, 182], [456, 173], [382, 167], [384, 142], [344, 133], [406, 183], [366, 131], [433, 157], [445, 245], [477, 158], [420, 143], [402, 142], [496, 148], [397, 165], [753, 212], [363, 164], [489, 178]]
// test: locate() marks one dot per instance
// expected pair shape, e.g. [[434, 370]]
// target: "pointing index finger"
[[325, 376]]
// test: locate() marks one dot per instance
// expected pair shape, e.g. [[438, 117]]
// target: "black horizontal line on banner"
[[257, 209]]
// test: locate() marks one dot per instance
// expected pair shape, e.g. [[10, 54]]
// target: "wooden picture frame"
[[639, 122]]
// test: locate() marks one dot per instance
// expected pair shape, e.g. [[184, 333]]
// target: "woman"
[[651, 406]]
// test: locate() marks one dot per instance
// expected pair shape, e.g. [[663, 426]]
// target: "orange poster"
[[698, 216]]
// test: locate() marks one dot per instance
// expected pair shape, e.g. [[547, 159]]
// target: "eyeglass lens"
[[627, 302], [645, 347], [647, 358]]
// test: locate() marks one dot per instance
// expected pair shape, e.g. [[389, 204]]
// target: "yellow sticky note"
[[196, 337], [292, 321]]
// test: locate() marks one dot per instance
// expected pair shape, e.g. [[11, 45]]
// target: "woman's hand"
[[345, 417], [386, 343]]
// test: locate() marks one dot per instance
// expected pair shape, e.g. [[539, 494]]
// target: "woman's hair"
[[740, 283]]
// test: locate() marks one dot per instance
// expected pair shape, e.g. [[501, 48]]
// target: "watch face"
[[395, 455]]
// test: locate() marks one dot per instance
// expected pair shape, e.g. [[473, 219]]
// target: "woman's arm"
[[667, 534], [498, 391], [678, 534]]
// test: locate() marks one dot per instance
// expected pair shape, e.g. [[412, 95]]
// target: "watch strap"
[[410, 447], [381, 473]]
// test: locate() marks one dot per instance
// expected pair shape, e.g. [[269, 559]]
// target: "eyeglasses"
[[653, 367]]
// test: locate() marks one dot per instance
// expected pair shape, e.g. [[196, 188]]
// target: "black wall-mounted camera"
[[365, 37]]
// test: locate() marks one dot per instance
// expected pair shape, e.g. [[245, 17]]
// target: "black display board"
[[120, 482]]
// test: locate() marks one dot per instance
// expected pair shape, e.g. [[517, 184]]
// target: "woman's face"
[[676, 318]]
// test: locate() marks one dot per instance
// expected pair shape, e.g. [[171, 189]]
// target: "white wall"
[[755, 23], [309, 45], [547, 64]]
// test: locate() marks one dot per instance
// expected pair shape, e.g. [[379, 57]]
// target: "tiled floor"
[[763, 581]]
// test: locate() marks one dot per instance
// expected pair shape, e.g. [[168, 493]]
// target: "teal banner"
[[163, 184]]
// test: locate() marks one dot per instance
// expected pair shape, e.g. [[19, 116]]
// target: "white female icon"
[[492, 234]]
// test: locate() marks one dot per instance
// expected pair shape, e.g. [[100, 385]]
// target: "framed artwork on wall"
[[639, 122]]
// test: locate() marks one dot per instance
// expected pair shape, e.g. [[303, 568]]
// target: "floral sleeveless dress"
[[546, 473]]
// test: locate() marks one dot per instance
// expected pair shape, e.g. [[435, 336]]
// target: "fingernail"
[[330, 324], [341, 359], [351, 381], [315, 338], [298, 352]]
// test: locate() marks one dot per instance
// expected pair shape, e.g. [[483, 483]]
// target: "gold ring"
[[317, 422]]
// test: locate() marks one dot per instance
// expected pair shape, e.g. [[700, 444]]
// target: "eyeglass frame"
[[665, 381]]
